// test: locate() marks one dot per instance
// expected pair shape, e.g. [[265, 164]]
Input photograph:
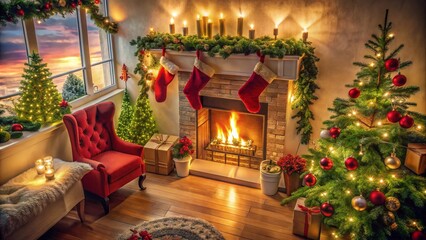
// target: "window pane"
[[101, 75], [13, 55], [71, 85], [59, 44], [98, 42]]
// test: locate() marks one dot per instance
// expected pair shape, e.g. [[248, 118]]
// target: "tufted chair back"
[[94, 129]]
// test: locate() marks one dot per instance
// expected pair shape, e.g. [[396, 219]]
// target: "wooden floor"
[[237, 212]]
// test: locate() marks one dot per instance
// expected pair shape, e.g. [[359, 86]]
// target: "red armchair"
[[94, 141]]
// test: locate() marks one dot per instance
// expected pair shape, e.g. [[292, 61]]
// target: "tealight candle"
[[48, 161], [39, 165], [251, 31], [185, 29], [49, 174], [305, 34], [209, 28], [221, 25], [276, 31], [199, 33], [172, 25], [240, 25]]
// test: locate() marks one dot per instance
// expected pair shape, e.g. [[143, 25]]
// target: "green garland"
[[44, 9], [225, 46]]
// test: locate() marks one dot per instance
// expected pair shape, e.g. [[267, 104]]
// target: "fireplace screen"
[[231, 136]]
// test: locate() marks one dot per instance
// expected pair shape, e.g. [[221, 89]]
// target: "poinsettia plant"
[[292, 163], [142, 235], [183, 148]]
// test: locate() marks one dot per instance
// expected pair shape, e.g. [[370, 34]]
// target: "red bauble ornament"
[[406, 121], [392, 64], [20, 12], [97, 1], [334, 132], [17, 127], [310, 179], [394, 116], [351, 163], [73, 5], [47, 6], [354, 93], [327, 209], [399, 80], [377, 197], [418, 235], [326, 163]]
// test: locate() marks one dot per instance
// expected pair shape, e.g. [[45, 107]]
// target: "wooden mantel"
[[286, 68]]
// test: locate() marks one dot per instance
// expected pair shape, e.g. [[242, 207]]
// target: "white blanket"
[[28, 194]]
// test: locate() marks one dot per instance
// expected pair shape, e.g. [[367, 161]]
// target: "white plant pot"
[[182, 166], [269, 182]]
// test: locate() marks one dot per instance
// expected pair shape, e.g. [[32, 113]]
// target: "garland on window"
[[225, 46], [43, 9]]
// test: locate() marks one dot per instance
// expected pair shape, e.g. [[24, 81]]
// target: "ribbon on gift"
[[160, 140], [308, 217]]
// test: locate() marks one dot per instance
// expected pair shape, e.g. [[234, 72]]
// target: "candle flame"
[[276, 25], [241, 15], [184, 23], [305, 29], [172, 20], [198, 16], [209, 21], [151, 29], [174, 14], [252, 26], [221, 15]]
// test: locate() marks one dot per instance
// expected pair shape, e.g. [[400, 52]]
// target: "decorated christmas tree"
[[143, 124], [357, 177], [126, 114], [73, 88], [40, 99]]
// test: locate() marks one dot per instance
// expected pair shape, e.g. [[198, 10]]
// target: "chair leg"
[[80, 210], [105, 204], [140, 182]]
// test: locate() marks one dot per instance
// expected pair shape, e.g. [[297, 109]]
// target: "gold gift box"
[[158, 154], [416, 157], [299, 218]]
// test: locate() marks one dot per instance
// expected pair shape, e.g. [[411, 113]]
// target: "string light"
[[391, 35], [372, 64], [381, 181], [393, 175], [379, 123], [370, 179], [419, 127], [385, 135], [348, 192], [378, 54], [351, 219], [358, 124], [387, 94], [354, 112], [361, 83]]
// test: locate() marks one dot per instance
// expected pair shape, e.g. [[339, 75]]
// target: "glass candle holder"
[[39, 165], [48, 161], [49, 174]]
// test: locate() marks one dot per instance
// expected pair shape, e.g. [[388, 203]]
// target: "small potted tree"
[[292, 166], [270, 174], [182, 151]]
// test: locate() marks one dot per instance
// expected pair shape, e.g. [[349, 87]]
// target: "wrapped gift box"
[[416, 157], [158, 154], [306, 221]]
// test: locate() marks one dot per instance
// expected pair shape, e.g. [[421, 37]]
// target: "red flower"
[[185, 148], [145, 235], [192, 151], [290, 164], [63, 104]]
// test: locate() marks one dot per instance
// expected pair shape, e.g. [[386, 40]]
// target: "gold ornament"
[[62, 3], [359, 203], [389, 219], [392, 204], [392, 161]]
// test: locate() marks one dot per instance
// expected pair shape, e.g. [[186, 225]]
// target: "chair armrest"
[[127, 147], [95, 164]]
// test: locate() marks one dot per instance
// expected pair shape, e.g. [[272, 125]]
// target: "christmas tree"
[[73, 88], [356, 175], [126, 113], [143, 124], [40, 99]]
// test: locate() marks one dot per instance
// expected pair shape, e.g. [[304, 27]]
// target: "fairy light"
[[351, 219], [379, 123], [349, 115], [419, 127], [387, 94], [393, 176], [381, 181], [358, 124], [391, 35], [372, 64], [354, 112], [370, 179], [361, 83], [378, 54], [385, 135], [371, 103], [348, 192]]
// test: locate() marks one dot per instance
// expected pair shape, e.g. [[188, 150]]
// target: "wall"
[[338, 30], [20, 156]]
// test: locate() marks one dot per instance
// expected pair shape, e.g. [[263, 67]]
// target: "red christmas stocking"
[[165, 76], [258, 81], [200, 76]]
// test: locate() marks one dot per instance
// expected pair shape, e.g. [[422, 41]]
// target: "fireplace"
[[227, 133]]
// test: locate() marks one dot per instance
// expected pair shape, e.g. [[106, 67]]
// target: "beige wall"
[[337, 28], [21, 156]]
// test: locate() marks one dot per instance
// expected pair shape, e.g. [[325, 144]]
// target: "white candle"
[[39, 166], [49, 173]]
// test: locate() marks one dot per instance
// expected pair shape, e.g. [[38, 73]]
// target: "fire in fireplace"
[[227, 133]]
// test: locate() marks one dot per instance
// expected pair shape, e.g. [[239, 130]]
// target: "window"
[[60, 42]]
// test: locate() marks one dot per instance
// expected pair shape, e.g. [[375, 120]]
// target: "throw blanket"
[[27, 195]]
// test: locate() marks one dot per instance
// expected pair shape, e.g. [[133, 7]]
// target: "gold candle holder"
[[172, 25], [49, 174], [209, 28], [251, 31], [185, 29], [199, 31], [221, 25], [240, 26], [39, 165]]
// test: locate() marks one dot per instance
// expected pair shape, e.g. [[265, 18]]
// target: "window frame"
[[31, 43]]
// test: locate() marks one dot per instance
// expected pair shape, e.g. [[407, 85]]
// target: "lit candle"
[[305, 34], [240, 25], [185, 29], [49, 174], [209, 28], [199, 33], [39, 164], [251, 31], [172, 25], [48, 161], [276, 31], [221, 25], [151, 30], [205, 19]]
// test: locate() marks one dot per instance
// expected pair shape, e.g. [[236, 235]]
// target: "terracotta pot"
[[292, 182]]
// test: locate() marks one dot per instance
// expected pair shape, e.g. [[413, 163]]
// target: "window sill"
[[31, 138]]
